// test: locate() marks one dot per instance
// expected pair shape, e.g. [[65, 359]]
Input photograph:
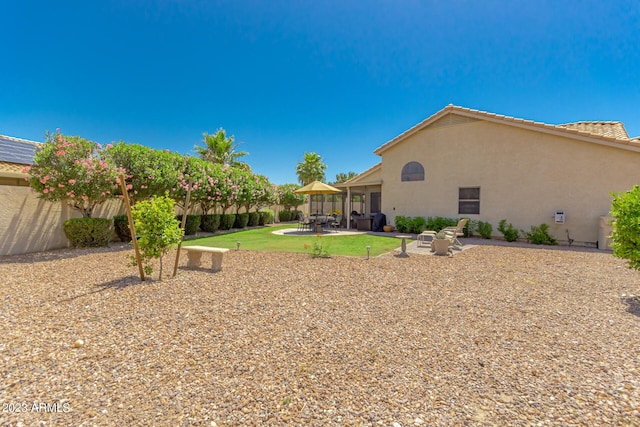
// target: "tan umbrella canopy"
[[317, 187]]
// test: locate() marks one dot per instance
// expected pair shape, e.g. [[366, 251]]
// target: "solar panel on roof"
[[14, 151]]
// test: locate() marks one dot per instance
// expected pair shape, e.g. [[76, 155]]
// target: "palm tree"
[[218, 148], [344, 177], [311, 169]]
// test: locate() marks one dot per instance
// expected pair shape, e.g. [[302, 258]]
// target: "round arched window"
[[413, 171]]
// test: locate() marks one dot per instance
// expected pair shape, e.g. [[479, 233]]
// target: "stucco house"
[[468, 163]]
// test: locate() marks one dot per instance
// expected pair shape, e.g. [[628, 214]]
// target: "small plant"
[[472, 227], [625, 209], [192, 224], [210, 223], [254, 219], [508, 231], [320, 249], [402, 224], [242, 219], [266, 217], [157, 228], [485, 229], [437, 223], [540, 235], [441, 235], [227, 221], [285, 216], [88, 232]]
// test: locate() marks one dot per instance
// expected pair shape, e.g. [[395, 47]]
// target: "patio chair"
[[454, 232], [336, 222], [303, 222]]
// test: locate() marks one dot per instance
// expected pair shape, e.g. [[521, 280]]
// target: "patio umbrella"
[[317, 187]]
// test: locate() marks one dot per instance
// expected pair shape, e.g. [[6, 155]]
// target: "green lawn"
[[262, 239]]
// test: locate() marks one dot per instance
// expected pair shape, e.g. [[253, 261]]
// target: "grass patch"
[[262, 239]]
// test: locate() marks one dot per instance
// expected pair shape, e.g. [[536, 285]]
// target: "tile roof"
[[608, 133], [610, 129], [16, 150]]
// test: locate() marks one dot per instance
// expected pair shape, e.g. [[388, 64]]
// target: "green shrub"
[[625, 209], [192, 224], [157, 228], [471, 227], [242, 219], [266, 217], [88, 232], [121, 225], [285, 216], [417, 225], [210, 223], [508, 231], [438, 223], [540, 235], [254, 219], [485, 229], [402, 224], [227, 221]]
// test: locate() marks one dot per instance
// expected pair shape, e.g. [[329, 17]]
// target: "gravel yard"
[[492, 336]]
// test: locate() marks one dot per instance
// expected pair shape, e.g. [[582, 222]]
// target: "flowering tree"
[[148, 171], [288, 199], [72, 169]]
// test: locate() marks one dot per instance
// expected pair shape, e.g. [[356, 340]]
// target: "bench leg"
[[216, 261], [194, 259]]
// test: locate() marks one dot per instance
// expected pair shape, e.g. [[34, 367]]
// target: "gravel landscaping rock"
[[492, 336]]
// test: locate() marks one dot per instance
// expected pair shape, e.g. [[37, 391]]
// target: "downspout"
[[348, 213]]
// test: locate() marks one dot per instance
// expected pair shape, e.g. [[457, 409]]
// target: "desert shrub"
[[471, 227], [210, 223], [88, 232], [266, 216], [485, 229], [508, 231], [254, 219], [285, 216], [540, 235], [242, 219], [192, 224], [417, 225], [402, 224], [625, 209], [227, 221], [437, 223], [121, 225]]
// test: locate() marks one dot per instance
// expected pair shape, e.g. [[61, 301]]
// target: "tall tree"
[[311, 169], [218, 148], [344, 177]]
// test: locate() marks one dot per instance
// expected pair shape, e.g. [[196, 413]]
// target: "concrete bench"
[[194, 254]]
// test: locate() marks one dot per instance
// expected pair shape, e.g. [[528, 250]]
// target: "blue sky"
[[336, 77]]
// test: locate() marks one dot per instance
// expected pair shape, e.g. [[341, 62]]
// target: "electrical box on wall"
[[559, 217]]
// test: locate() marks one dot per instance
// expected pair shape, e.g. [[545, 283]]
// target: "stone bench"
[[194, 254]]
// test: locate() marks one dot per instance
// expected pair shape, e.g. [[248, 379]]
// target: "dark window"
[[375, 202], [413, 171], [469, 200]]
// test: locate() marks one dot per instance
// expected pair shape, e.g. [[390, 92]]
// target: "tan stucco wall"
[[524, 176], [29, 224]]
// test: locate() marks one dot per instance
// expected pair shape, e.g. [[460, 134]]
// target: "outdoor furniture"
[[336, 222], [194, 254], [458, 231], [426, 236], [303, 222], [403, 248]]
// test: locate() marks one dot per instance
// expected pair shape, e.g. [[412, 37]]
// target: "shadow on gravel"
[[117, 284], [60, 254], [633, 305]]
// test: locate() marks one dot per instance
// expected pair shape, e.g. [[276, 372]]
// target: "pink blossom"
[[72, 181], [129, 186], [104, 194], [60, 153], [45, 191], [109, 146], [60, 185], [85, 198], [26, 169]]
